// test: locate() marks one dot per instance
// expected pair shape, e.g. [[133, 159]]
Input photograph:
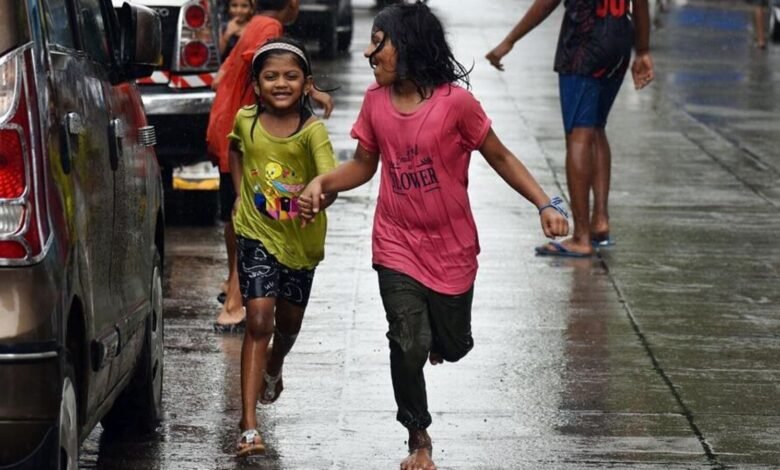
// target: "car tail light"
[[20, 237], [198, 39], [195, 54], [195, 16]]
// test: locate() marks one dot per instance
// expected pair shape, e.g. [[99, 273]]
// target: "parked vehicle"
[[774, 20], [330, 22], [81, 228], [178, 97]]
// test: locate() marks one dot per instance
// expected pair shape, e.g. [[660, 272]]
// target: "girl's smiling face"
[[242, 10], [282, 83], [383, 57]]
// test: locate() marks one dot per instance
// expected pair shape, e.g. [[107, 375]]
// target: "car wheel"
[[68, 424], [153, 351], [329, 37], [139, 407]]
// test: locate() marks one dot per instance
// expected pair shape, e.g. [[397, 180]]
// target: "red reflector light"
[[12, 250], [11, 165], [195, 16], [195, 54]]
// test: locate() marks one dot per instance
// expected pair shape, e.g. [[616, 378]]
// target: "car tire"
[[68, 419], [139, 407], [329, 40]]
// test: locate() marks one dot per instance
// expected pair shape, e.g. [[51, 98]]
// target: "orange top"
[[234, 89]]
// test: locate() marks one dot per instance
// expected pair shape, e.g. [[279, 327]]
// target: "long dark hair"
[[258, 61], [424, 55]]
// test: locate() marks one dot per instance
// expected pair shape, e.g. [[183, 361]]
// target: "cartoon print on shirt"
[[277, 196], [413, 173]]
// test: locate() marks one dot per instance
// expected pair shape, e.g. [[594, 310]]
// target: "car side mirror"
[[140, 40]]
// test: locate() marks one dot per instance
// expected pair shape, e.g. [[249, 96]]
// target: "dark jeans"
[[421, 321]]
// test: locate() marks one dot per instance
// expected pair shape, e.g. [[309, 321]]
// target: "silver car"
[[81, 228]]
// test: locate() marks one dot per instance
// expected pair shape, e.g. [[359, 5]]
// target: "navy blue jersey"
[[596, 37]]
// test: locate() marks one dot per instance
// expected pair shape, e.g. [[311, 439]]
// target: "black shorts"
[[227, 197], [260, 274]]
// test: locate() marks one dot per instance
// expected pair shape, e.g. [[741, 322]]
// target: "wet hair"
[[424, 55], [274, 5], [273, 48]]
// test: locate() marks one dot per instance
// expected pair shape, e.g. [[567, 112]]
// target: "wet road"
[[661, 353]]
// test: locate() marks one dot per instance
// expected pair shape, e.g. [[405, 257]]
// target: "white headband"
[[281, 46]]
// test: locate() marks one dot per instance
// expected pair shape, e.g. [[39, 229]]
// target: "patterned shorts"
[[260, 274]]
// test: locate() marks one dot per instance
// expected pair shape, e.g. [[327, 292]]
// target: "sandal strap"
[[270, 385], [248, 436]]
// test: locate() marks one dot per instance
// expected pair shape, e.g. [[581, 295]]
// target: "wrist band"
[[557, 204]]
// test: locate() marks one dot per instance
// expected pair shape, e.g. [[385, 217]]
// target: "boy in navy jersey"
[[594, 49]]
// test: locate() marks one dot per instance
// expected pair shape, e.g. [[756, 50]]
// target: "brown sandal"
[[250, 443]]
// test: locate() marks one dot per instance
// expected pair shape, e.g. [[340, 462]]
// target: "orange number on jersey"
[[613, 7]]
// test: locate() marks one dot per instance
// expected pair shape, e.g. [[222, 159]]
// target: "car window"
[[58, 26], [92, 27], [13, 30]]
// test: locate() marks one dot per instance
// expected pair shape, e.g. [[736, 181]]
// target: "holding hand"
[[309, 201]]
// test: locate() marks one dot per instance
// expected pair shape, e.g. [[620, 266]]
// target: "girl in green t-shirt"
[[276, 147]]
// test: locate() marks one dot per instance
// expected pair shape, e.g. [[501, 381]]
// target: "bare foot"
[[230, 316], [435, 358], [419, 459], [599, 227], [420, 452]]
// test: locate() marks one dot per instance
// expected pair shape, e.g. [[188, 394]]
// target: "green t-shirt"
[[275, 171]]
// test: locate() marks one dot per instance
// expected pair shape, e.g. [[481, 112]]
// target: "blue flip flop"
[[602, 242], [560, 251]]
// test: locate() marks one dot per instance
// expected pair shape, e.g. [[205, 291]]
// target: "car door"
[[133, 233], [77, 80]]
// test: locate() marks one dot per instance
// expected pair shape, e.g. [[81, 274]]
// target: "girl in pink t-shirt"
[[423, 126]]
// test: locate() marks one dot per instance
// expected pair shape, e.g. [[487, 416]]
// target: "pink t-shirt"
[[423, 226]]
